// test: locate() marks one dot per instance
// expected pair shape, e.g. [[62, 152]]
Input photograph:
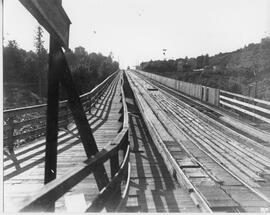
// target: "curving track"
[[229, 171]]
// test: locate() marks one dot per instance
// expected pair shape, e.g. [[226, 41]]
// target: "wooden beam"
[[246, 97], [52, 112], [82, 124], [77, 110], [249, 105], [51, 16], [57, 188], [52, 115], [245, 111]]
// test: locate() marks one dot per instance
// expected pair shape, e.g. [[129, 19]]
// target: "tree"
[[18, 67], [39, 42], [12, 62], [42, 58], [89, 69], [199, 62], [25, 72], [206, 60]]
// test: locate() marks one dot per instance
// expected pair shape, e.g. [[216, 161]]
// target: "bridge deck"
[[25, 173], [153, 188], [217, 169], [180, 160]]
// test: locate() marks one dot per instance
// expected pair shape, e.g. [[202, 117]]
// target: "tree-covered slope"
[[245, 71]]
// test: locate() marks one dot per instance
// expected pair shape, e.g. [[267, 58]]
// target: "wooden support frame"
[[60, 73], [47, 13], [77, 110], [52, 17], [57, 188]]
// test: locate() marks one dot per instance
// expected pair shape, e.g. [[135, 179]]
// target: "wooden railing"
[[22, 125], [203, 93], [53, 190], [244, 105], [248, 107]]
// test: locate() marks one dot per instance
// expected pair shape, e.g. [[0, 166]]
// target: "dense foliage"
[[245, 70], [25, 72], [89, 69]]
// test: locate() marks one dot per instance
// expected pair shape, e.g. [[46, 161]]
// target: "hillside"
[[245, 71]]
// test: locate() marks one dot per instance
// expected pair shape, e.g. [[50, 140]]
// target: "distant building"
[[80, 51], [198, 70]]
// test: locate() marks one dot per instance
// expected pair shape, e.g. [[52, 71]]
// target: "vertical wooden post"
[[52, 116], [90, 105], [65, 110], [52, 112], [10, 123], [114, 163]]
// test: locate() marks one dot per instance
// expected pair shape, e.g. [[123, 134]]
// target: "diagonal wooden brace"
[[60, 73], [81, 121]]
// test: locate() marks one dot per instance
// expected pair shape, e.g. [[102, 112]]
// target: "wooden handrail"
[[33, 117], [58, 187], [124, 196], [62, 103], [106, 193], [245, 104], [96, 88], [246, 97], [103, 196]]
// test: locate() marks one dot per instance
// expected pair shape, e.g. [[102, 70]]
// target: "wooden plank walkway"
[[222, 191], [25, 173], [153, 188]]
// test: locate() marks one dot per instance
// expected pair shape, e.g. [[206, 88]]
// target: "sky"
[[139, 30]]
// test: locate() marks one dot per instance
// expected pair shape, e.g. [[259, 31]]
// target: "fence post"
[[90, 103], [114, 164], [125, 145], [66, 116], [52, 113], [52, 116], [10, 123]]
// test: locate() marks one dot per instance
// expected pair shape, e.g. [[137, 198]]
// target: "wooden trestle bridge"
[[138, 142]]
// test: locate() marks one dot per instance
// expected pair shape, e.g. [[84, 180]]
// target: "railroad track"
[[228, 167], [261, 140], [152, 187]]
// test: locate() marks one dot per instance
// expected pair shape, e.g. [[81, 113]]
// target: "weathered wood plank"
[[68, 158]]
